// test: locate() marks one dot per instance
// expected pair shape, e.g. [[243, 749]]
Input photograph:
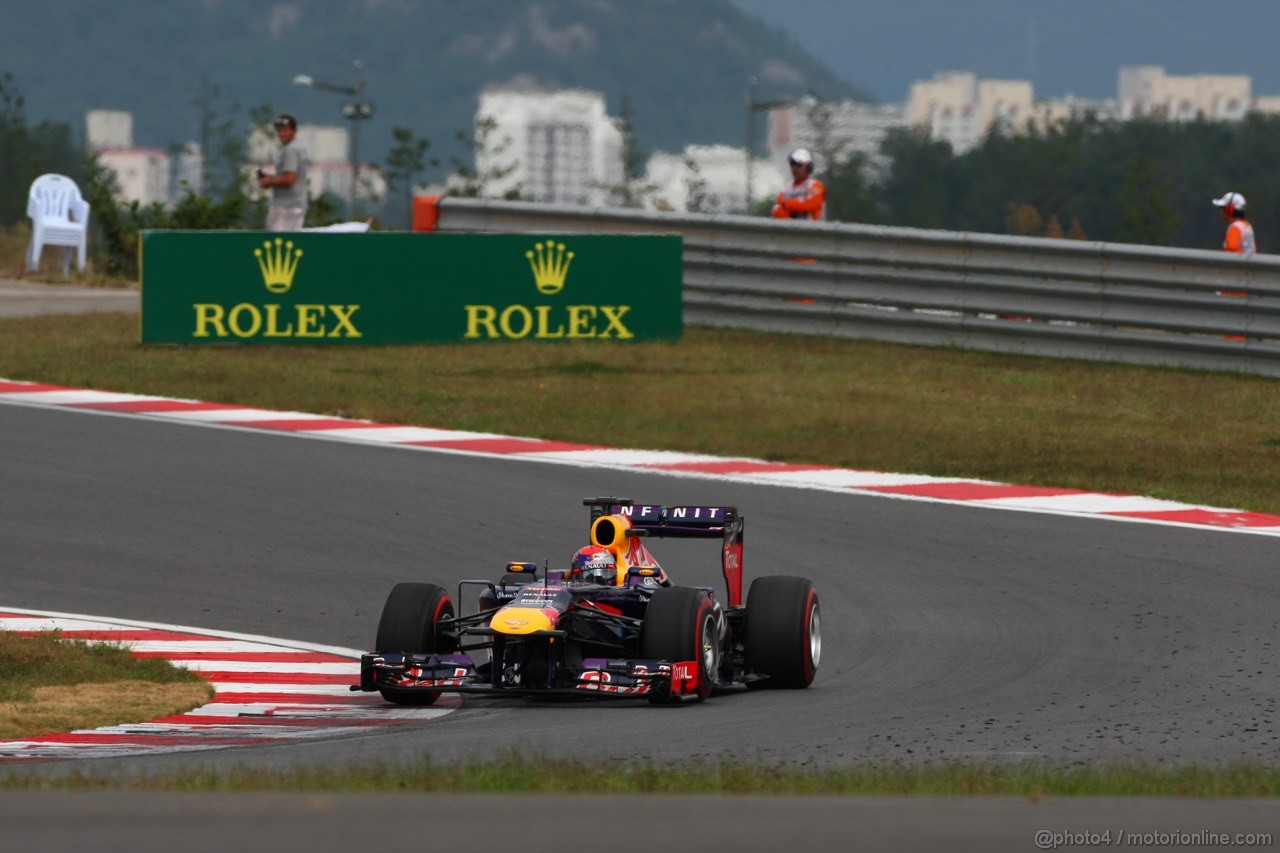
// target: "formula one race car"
[[611, 625]]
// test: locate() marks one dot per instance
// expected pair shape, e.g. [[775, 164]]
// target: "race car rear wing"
[[690, 522]]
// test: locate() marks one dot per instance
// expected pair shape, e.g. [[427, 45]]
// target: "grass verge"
[[518, 774], [14, 242], [52, 685], [1195, 437]]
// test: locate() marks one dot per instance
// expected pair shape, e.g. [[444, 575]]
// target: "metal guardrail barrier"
[[1032, 296]]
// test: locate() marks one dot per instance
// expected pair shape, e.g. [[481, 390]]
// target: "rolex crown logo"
[[550, 264], [278, 261]]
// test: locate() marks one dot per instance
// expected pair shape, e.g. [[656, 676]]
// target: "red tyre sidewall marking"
[[810, 604]]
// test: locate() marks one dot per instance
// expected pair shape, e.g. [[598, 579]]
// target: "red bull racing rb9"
[[611, 625]]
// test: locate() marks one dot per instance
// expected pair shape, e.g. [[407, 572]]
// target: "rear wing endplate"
[[689, 522]]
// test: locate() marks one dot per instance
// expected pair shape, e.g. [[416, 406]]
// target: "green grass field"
[[1195, 437], [534, 774]]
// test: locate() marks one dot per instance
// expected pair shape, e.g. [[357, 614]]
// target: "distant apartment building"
[[108, 129], [562, 147], [706, 179], [1147, 91], [146, 175], [955, 107], [143, 175], [1051, 111], [554, 147], [838, 130], [958, 108], [189, 173]]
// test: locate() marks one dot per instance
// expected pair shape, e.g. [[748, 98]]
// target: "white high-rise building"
[[190, 170], [143, 175], [555, 147], [1146, 90], [108, 129], [1052, 111], [958, 108], [838, 130], [706, 179]]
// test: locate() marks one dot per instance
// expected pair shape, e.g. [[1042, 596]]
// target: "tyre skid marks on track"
[[265, 691], [1046, 500]]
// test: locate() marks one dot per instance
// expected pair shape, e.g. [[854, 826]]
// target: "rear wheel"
[[680, 625], [784, 631], [410, 624]]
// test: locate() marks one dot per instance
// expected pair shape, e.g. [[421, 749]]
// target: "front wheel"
[[680, 625], [783, 632], [410, 624]]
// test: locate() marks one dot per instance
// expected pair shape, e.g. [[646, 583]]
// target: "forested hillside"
[[685, 64]]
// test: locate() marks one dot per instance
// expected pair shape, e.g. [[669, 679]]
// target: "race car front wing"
[[596, 678]]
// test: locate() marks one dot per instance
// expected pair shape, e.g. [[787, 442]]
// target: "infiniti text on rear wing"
[[690, 522]]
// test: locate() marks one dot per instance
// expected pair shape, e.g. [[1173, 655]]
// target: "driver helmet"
[[594, 564]]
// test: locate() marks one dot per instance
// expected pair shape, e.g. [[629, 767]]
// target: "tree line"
[[220, 201], [1143, 181]]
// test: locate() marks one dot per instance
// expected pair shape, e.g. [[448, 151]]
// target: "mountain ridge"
[[685, 66]]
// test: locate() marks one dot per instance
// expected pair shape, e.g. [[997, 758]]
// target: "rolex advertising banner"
[[219, 287]]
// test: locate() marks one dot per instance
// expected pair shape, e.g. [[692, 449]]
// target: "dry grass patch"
[[87, 706], [52, 685], [14, 243]]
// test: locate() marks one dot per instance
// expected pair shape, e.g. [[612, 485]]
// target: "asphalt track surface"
[[114, 822], [29, 299], [949, 632]]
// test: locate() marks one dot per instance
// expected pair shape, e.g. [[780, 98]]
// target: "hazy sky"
[[1062, 46]]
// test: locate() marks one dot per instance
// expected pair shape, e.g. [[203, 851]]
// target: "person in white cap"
[[805, 197], [1239, 237]]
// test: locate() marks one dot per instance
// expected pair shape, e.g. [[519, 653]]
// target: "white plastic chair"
[[59, 217]]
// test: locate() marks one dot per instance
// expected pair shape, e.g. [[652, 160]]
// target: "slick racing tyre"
[[680, 625], [410, 624], [783, 632]]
